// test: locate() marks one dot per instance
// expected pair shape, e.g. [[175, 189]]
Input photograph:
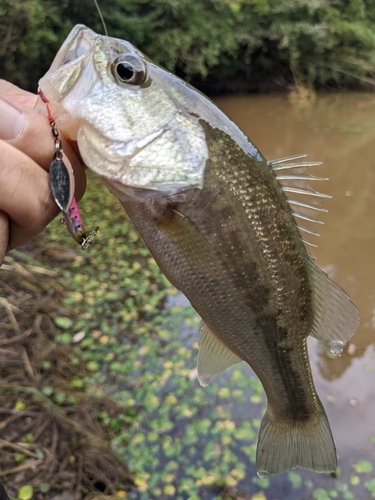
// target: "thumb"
[[30, 132]]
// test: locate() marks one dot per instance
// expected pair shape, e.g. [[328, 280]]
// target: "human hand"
[[26, 151]]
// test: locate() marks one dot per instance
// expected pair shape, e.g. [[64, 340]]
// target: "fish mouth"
[[80, 41], [69, 63]]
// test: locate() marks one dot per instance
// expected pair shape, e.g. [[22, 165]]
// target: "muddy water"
[[339, 130]]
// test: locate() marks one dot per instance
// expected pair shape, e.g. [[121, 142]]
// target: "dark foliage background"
[[219, 45]]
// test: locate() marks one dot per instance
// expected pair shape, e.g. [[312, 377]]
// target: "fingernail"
[[11, 121]]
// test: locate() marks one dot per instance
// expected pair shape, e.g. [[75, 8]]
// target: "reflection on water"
[[338, 129]]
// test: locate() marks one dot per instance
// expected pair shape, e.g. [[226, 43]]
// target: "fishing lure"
[[62, 186]]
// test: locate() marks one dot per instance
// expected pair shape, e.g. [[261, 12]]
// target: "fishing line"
[[101, 17], [105, 29]]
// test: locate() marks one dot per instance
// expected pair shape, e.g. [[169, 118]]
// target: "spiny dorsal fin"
[[306, 202], [213, 356]]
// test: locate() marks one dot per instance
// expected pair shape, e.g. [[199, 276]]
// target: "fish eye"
[[129, 69]]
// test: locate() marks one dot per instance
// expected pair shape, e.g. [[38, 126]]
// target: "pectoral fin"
[[213, 356]]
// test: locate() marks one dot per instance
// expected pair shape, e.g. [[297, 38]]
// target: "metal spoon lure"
[[62, 185]]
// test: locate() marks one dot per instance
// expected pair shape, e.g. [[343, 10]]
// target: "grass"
[[108, 367]]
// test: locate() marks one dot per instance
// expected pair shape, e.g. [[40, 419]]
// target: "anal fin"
[[213, 356]]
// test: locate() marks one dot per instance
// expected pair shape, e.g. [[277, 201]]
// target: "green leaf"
[[29, 438], [47, 390], [93, 366], [263, 482], [363, 466], [44, 487], [224, 393], [77, 382], [39, 453], [256, 398], [63, 322], [294, 478], [46, 365], [370, 485], [258, 496], [348, 495], [25, 493], [354, 480], [19, 406], [340, 486], [321, 494], [244, 433], [337, 472], [60, 397], [65, 338]]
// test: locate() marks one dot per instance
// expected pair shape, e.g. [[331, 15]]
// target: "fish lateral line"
[[62, 184]]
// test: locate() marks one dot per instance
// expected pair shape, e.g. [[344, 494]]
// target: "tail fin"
[[284, 446]]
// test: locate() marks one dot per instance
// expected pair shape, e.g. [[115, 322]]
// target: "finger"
[[30, 132], [25, 195], [19, 99], [16, 94], [4, 235]]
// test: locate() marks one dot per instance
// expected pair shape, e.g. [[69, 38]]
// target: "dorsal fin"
[[305, 202]]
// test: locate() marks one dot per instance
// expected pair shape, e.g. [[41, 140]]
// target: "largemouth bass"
[[215, 216]]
